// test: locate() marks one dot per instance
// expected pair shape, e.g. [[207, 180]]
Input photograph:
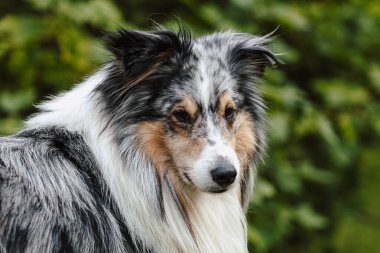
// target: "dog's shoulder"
[[52, 194], [39, 157], [47, 167]]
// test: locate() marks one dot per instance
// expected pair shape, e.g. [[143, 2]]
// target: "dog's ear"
[[250, 55], [142, 53]]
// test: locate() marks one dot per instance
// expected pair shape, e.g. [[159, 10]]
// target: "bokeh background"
[[319, 188]]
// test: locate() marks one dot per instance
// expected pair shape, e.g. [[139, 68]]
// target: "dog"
[[155, 152]]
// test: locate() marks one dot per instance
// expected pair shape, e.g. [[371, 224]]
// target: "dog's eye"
[[182, 117], [230, 114]]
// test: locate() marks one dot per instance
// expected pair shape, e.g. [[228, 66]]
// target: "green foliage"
[[317, 191]]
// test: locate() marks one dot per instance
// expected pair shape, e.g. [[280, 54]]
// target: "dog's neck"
[[216, 221]]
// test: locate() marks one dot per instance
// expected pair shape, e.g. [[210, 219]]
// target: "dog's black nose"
[[224, 175]]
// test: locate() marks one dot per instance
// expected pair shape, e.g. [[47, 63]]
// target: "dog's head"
[[194, 104]]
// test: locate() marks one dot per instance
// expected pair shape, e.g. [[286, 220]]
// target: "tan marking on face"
[[189, 106], [227, 129], [245, 140], [185, 150], [241, 133], [245, 148], [183, 144], [191, 109], [225, 101], [153, 142]]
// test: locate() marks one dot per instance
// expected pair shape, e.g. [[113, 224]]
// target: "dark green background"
[[318, 190]]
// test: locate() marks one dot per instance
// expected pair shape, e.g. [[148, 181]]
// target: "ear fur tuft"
[[139, 51], [252, 54]]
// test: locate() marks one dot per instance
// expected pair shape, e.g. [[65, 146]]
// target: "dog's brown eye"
[[182, 117], [230, 114]]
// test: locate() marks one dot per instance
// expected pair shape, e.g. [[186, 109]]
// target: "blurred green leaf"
[[309, 172], [42, 4], [10, 125], [14, 102], [290, 15], [279, 125], [17, 31], [374, 75], [95, 12], [263, 190], [310, 219], [338, 94]]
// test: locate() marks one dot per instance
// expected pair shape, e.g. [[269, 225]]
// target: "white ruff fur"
[[217, 220]]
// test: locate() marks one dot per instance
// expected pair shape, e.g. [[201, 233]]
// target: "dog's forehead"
[[210, 75]]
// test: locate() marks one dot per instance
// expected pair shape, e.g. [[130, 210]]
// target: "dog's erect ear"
[[143, 52], [251, 55]]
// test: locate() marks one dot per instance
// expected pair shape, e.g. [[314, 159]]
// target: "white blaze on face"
[[216, 153]]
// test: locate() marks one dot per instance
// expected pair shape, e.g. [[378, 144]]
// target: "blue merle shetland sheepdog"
[[156, 152]]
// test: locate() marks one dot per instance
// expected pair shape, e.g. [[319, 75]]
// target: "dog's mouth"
[[188, 178], [216, 190], [211, 189]]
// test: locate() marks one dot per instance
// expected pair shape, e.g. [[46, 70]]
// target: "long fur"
[[89, 175]]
